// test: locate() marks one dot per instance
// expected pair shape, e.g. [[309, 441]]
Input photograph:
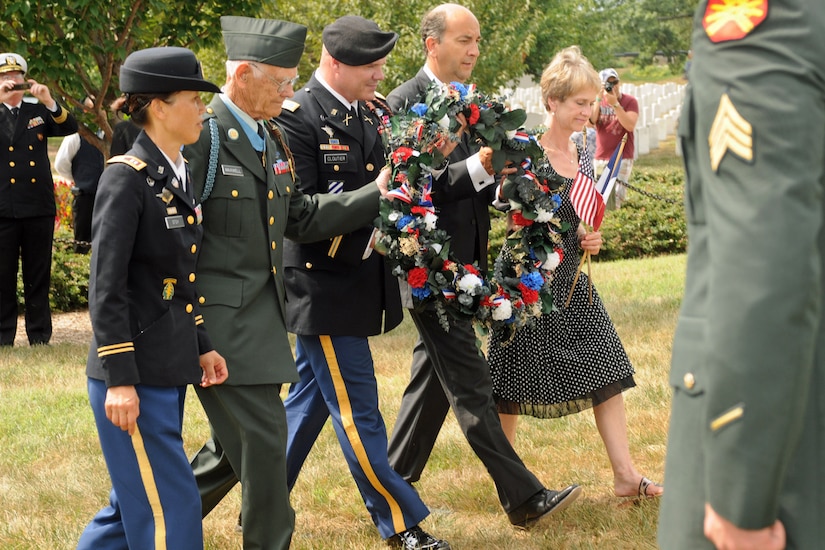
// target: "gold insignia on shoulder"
[[169, 288], [730, 131], [291, 105], [233, 134], [134, 162]]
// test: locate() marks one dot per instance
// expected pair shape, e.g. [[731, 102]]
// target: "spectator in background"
[[125, 130], [27, 206], [614, 114], [81, 162]]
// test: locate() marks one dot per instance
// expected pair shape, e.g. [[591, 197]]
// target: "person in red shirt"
[[614, 115]]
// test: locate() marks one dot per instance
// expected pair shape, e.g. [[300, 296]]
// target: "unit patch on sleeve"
[[733, 19]]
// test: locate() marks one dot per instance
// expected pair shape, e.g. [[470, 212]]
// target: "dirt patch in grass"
[[67, 328]]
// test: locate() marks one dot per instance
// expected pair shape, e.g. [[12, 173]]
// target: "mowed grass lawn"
[[53, 478]]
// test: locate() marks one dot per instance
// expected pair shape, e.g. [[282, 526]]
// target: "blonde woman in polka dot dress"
[[572, 359]]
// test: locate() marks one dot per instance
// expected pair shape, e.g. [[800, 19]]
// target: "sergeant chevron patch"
[[729, 132]]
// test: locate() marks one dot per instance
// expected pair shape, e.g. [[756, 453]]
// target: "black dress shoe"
[[416, 538], [542, 504]]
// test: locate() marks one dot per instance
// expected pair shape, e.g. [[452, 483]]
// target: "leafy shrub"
[[644, 226], [70, 275], [647, 225]]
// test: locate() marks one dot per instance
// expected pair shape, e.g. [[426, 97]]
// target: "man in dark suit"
[[746, 449], [251, 199], [27, 207], [339, 291], [448, 369]]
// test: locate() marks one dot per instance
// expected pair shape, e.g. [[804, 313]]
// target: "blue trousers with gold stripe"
[[338, 381], [154, 503]]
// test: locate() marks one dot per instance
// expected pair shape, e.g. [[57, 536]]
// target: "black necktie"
[[14, 111]]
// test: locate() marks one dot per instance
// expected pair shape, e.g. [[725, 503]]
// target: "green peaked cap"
[[277, 43]]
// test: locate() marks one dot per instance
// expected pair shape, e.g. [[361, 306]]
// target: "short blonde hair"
[[568, 73]]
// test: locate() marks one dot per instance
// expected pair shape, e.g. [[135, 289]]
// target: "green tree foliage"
[[655, 27], [76, 47], [517, 37]]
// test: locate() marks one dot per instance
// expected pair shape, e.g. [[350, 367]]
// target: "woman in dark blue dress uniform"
[[149, 341]]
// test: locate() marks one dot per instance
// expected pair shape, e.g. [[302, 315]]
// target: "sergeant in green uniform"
[[245, 177], [746, 449]]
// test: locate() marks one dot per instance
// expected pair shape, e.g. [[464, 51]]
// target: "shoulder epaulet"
[[291, 105], [134, 162], [380, 96]]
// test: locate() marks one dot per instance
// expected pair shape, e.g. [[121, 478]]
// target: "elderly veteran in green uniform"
[[340, 292], [27, 206], [246, 181], [149, 340], [746, 450]]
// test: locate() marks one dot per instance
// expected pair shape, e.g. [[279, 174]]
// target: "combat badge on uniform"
[[733, 19], [169, 288], [729, 132]]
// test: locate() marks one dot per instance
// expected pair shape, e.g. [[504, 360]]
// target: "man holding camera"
[[614, 115], [27, 207]]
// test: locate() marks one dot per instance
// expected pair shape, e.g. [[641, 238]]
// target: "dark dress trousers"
[[448, 369], [27, 211]]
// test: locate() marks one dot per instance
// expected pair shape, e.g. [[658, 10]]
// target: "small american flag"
[[587, 202]]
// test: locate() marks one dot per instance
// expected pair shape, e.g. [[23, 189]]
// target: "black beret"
[[353, 40], [163, 70], [269, 41]]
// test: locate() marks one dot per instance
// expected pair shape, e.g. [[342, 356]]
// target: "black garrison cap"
[[269, 41]]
